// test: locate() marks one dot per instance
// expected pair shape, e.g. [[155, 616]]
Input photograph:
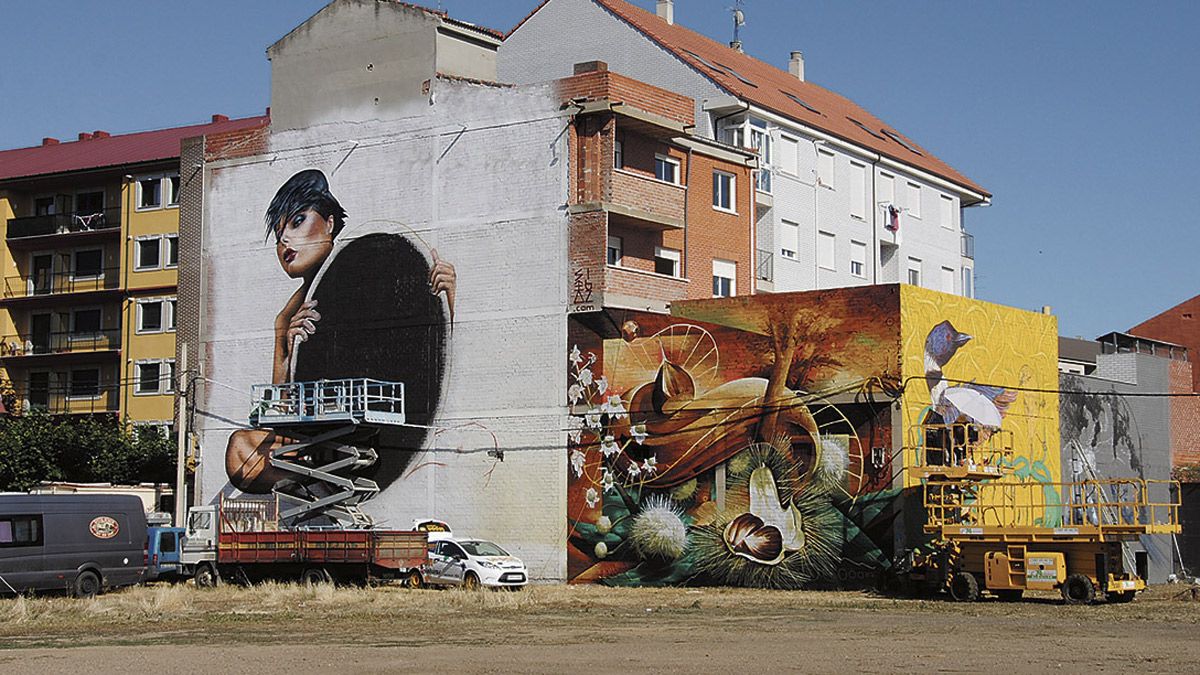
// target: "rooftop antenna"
[[739, 20]]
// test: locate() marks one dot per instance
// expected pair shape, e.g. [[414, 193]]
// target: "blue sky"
[[1083, 119]]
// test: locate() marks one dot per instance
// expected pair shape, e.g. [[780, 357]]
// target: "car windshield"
[[482, 548]]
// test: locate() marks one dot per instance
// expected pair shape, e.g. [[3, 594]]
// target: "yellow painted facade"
[[1013, 351]]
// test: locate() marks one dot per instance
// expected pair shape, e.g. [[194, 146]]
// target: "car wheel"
[[206, 577], [471, 581], [87, 585], [1078, 590], [414, 580]]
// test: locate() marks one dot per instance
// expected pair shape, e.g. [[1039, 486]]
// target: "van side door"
[[22, 554]]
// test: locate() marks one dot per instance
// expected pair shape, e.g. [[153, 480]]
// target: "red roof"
[[110, 151], [821, 109]]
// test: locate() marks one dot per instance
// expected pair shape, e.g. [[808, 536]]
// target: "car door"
[[456, 563], [437, 564]]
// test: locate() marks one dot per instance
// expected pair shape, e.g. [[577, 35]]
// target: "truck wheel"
[[1122, 597], [87, 585], [964, 587], [471, 581], [316, 575], [414, 580], [206, 577], [1078, 590]]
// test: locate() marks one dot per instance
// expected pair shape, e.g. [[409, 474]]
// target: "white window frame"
[[919, 269], [946, 202], [71, 385], [669, 160], [166, 377], [75, 264], [170, 191], [968, 282], [785, 252], [732, 208], [947, 277], [858, 190], [674, 255], [166, 317], [789, 163], [726, 270], [886, 189], [826, 178], [172, 310], [619, 248], [824, 237], [858, 247], [912, 199], [166, 251], [137, 252], [137, 197]]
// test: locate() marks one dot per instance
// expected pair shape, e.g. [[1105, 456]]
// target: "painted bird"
[[982, 405]]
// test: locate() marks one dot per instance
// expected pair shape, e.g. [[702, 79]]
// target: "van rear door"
[[22, 562]]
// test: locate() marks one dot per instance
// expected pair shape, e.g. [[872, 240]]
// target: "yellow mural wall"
[[1011, 354]]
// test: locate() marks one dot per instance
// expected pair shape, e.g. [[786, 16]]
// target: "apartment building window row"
[[724, 192], [157, 191], [154, 376], [156, 251], [724, 278], [155, 315]]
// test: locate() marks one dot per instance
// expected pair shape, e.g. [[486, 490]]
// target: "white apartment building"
[[843, 199]]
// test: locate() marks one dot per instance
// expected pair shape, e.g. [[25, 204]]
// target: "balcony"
[[31, 231], [766, 266], [45, 285], [31, 348], [968, 245], [624, 286], [646, 200], [84, 399]]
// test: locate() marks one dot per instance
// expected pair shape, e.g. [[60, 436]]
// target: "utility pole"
[[181, 436]]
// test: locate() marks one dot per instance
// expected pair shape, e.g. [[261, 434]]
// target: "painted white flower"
[[633, 470], [614, 406], [650, 466], [638, 431], [592, 419], [575, 433], [603, 524], [574, 393], [592, 497], [609, 447], [585, 377], [576, 357], [602, 384], [608, 482], [577, 459]]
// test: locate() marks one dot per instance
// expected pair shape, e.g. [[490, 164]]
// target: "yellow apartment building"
[[89, 264]]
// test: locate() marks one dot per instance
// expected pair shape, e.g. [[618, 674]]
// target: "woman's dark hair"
[[308, 189]]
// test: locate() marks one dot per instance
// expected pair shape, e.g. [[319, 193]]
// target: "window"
[[666, 261], [887, 189], [85, 383], [87, 203], [723, 191], [760, 140], [170, 318], [616, 248], [150, 316], [735, 135], [826, 243], [149, 253], [171, 242], [618, 154], [169, 376], [88, 264], [858, 259], [947, 280], [85, 323], [172, 183], [789, 155], [724, 278], [858, 190], [913, 204], [968, 282], [825, 168], [20, 531], [149, 376], [666, 169], [789, 240], [44, 206], [946, 206], [914, 271], [149, 193]]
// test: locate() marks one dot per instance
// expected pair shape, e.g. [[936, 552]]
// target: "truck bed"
[[390, 549]]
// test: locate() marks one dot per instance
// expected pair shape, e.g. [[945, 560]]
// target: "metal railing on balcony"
[[63, 223], [968, 245], [766, 266], [76, 398], [12, 346], [61, 283]]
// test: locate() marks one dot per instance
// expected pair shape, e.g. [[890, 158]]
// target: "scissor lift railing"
[[960, 452], [1098, 510], [317, 418]]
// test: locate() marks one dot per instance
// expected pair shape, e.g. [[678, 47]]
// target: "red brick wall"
[[234, 144], [643, 285], [602, 84], [717, 234], [1185, 416], [1179, 325]]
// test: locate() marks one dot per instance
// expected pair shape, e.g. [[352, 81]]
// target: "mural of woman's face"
[[305, 241]]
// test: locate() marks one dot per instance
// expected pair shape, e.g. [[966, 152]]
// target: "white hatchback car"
[[472, 563]]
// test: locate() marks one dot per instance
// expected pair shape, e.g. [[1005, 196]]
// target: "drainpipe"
[[687, 197], [874, 223], [126, 327]]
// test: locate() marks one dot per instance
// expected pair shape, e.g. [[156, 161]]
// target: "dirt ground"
[[295, 629]]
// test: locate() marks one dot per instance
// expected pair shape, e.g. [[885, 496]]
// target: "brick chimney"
[[100, 134], [225, 118], [590, 67], [48, 140], [666, 10], [85, 136], [796, 65]]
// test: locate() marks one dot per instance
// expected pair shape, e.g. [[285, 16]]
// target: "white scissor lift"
[[328, 426]]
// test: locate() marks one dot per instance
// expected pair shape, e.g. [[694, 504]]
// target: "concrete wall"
[[480, 176]]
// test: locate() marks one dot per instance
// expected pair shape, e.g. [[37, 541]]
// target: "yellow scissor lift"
[[1004, 536]]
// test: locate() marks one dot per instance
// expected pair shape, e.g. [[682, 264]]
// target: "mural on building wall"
[[994, 367], [741, 442], [1099, 434], [376, 306]]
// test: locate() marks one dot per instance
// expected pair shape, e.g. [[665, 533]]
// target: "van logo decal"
[[103, 527]]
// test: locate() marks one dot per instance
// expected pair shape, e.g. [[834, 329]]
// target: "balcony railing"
[[59, 400], [63, 223], [62, 283], [646, 197], [12, 346], [968, 245], [766, 266]]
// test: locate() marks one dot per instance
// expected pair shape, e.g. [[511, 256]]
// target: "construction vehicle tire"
[[1078, 589], [1122, 597], [1010, 595], [315, 575], [964, 587]]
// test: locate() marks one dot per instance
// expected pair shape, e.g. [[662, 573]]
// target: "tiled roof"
[[109, 151], [781, 92]]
